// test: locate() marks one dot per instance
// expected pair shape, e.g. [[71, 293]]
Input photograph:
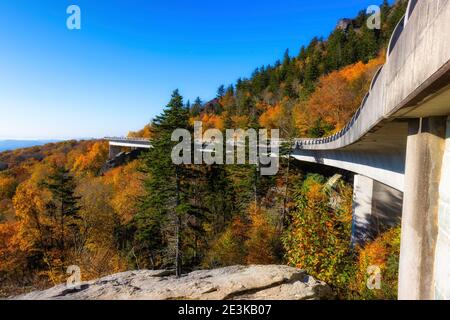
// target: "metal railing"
[[127, 139], [393, 41], [338, 135]]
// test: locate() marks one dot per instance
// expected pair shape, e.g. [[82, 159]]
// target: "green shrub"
[[318, 238]]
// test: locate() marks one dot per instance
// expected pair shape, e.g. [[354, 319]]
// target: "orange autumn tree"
[[339, 94], [302, 118], [212, 121], [280, 116], [209, 121], [272, 117], [7, 186], [145, 132], [252, 240], [318, 237], [127, 186], [93, 160], [11, 257], [262, 238], [333, 101], [383, 252]]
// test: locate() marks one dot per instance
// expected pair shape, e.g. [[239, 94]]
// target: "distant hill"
[[9, 145]]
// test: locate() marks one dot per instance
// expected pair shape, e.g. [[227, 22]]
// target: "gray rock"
[[273, 282]]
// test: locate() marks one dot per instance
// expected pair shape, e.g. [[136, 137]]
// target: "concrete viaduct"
[[398, 146]]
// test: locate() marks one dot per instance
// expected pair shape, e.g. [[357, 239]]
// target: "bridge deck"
[[129, 142]]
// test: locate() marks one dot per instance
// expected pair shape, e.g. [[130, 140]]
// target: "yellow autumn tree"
[[272, 117], [339, 94], [262, 238], [12, 259], [240, 122], [145, 132], [7, 186], [229, 248], [302, 118], [98, 255], [30, 206], [93, 160], [318, 237], [382, 253], [127, 186], [212, 121]]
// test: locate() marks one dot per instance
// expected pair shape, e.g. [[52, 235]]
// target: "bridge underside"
[[402, 172], [398, 143], [376, 208], [379, 155]]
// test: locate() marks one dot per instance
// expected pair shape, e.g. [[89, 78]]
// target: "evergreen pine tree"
[[63, 207], [221, 91], [197, 107], [165, 204]]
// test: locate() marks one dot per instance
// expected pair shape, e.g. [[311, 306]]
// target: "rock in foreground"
[[238, 282]]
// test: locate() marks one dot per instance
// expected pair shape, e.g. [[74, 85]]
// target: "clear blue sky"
[[119, 70]]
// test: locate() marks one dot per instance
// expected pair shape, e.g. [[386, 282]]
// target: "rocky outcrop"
[[231, 283]]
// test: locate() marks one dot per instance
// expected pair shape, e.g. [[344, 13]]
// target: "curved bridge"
[[399, 138], [398, 146], [414, 83], [117, 143]]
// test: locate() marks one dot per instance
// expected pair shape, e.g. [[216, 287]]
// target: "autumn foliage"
[[383, 253], [340, 93], [319, 235], [93, 160], [59, 207], [146, 132], [36, 242], [271, 117], [247, 240]]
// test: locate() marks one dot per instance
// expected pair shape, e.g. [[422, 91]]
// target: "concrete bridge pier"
[[376, 208], [442, 255], [424, 157], [114, 151], [362, 208]]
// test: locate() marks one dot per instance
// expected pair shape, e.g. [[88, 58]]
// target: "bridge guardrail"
[[341, 134], [392, 43], [126, 139]]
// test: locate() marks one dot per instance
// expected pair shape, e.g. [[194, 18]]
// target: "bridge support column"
[[376, 208], [362, 208], [114, 151], [424, 154], [442, 256]]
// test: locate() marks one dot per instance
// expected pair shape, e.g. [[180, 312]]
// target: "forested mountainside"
[[7, 145], [57, 208], [311, 94]]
